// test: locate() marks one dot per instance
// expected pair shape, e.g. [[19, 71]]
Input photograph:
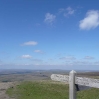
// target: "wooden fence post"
[[72, 91]]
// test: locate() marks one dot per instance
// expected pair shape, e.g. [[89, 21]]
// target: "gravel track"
[[3, 88]]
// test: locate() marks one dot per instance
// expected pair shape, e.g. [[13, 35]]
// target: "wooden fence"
[[76, 83]]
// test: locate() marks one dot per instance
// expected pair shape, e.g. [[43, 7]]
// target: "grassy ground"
[[48, 90]]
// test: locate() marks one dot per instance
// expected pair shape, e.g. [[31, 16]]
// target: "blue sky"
[[49, 34]]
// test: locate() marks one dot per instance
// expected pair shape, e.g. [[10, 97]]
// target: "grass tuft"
[[48, 90]]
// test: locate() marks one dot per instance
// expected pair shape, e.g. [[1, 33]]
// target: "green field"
[[48, 90]]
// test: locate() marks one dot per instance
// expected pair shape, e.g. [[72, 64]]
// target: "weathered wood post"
[[72, 91]]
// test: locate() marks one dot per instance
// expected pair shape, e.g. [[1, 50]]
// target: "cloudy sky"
[[49, 34]]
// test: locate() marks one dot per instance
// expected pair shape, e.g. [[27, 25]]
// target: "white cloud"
[[26, 56], [70, 11], [88, 57], [30, 43], [90, 21], [78, 62], [37, 60], [26, 64], [68, 58], [49, 18], [66, 12], [38, 51]]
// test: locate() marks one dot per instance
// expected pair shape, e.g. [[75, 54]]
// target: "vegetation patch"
[[39, 90], [48, 90]]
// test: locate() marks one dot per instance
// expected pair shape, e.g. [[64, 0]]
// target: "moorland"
[[37, 84]]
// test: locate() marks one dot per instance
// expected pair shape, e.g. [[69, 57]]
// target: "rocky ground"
[[3, 88]]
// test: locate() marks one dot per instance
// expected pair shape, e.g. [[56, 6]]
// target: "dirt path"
[[3, 88]]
